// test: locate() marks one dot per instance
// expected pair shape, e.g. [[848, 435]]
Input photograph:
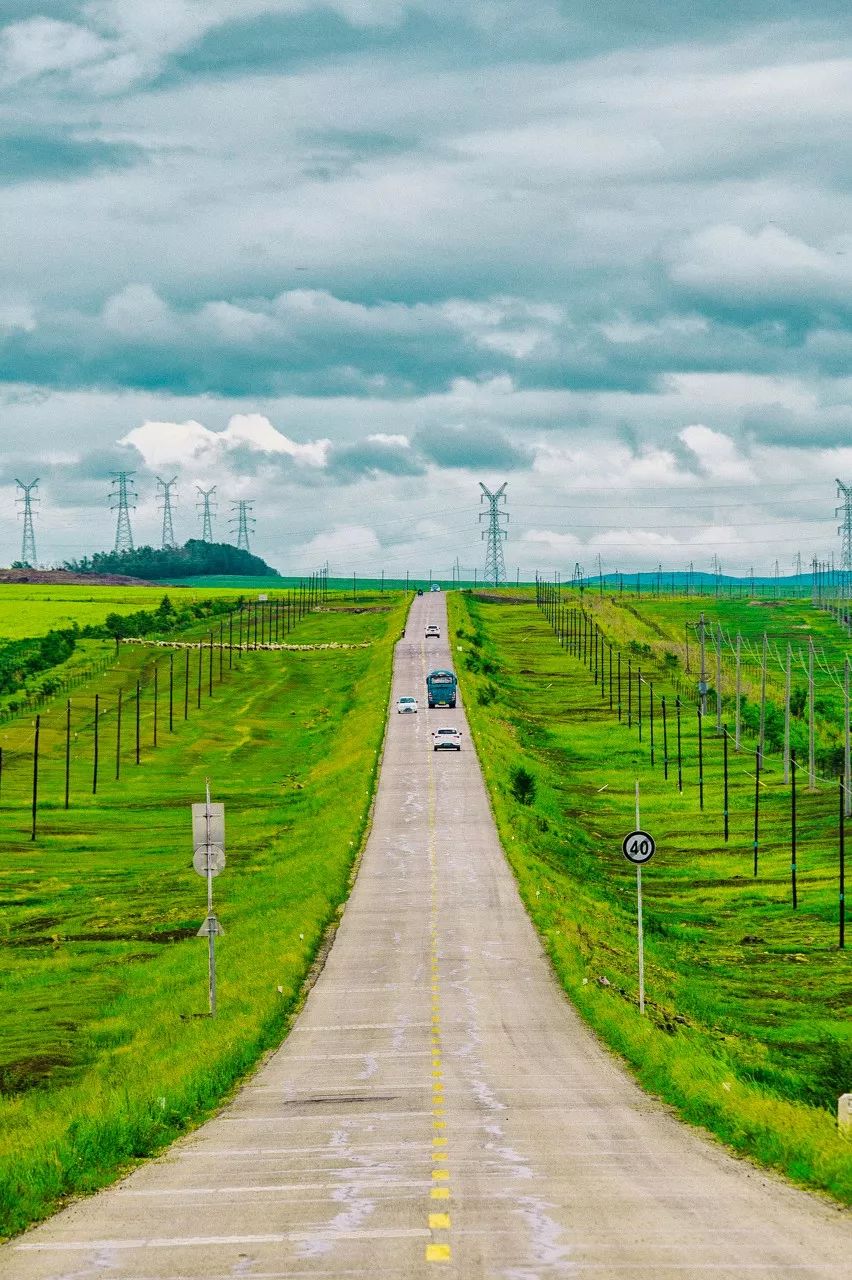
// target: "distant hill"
[[194, 559]]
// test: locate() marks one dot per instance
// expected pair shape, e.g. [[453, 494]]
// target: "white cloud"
[[185, 443], [42, 45], [717, 454]]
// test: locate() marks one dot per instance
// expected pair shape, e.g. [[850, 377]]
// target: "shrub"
[[522, 784]]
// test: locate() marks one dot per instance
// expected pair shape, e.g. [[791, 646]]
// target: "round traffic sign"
[[638, 847], [216, 860]]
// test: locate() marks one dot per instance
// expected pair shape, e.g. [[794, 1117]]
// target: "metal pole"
[[186, 687], [700, 761], [95, 757], [118, 738], [211, 936], [725, 777], [679, 753], [640, 932], [738, 697], [841, 939], [762, 732], [757, 802], [787, 690], [847, 736], [793, 886], [811, 713], [35, 775], [67, 753], [703, 676], [718, 641]]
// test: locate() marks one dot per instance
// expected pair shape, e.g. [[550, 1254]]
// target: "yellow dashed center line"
[[438, 1250]]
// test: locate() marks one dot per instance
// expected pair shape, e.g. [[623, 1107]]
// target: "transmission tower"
[[122, 499], [206, 506], [494, 535], [28, 546], [166, 508], [244, 520], [844, 491]]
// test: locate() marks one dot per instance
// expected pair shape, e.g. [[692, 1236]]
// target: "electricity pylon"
[[845, 529], [206, 506], [28, 546], [494, 535], [244, 520], [166, 508], [122, 499]]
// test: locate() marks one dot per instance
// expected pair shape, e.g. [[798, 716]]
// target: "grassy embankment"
[[746, 1032], [105, 1054]]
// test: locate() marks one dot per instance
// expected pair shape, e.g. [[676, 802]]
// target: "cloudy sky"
[[347, 259]]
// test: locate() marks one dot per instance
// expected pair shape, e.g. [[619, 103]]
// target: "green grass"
[[105, 1054], [747, 1029], [32, 610]]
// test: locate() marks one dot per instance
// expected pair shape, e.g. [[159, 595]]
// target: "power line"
[[123, 500], [206, 506], [244, 521], [28, 546], [494, 535], [166, 508]]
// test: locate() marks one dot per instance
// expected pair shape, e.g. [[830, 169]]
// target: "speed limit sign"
[[638, 847]]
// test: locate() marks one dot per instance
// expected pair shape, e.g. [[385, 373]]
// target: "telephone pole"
[[166, 508], [122, 499], [494, 535], [206, 506], [244, 521], [28, 546]]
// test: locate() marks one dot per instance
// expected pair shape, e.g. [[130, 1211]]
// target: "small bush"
[[486, 694], [522, 785]]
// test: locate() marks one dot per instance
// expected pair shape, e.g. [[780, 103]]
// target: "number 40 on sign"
[[638, 847]]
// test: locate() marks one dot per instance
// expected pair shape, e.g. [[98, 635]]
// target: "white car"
[[446, 739], [434, 587], [405, 705], [433, 632]]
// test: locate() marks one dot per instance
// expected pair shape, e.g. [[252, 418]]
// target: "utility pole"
[[28, 546], [166, 508], [244, 521], [123, 500], [206, 506], [494, 536]]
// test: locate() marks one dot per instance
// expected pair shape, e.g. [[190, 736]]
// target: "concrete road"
[[439, 1110]]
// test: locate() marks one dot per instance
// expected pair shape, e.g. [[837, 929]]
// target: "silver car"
[[406, 704]]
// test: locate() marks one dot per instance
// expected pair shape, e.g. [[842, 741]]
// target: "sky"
[[348, 260]]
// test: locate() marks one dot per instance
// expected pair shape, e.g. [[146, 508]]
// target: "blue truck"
[[441, 688]]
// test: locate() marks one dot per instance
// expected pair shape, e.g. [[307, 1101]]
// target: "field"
[[32, 610], [106, 1052], [746, 1029]]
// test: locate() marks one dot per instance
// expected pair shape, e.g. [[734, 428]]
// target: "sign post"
[[208, 859], [639, 847]]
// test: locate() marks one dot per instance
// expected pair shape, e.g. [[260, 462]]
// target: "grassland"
[[105, 1050], [31, 610], [746, 1029]]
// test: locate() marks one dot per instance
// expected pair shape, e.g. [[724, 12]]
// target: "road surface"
[[438, 1109]]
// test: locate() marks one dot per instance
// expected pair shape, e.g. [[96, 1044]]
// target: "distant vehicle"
[[441, 688], [420, 591], [406, 704], [435, 587], [433, 632]]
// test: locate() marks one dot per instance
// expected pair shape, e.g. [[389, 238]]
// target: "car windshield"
[[449, 731], [406, 699]]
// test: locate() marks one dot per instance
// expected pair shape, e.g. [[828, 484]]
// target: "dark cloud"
[[34, 156], [371, 458], [474, 448]]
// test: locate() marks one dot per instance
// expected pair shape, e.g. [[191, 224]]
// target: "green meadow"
[[746, 1030], [106, 1051]]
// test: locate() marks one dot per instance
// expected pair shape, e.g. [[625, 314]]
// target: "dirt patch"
[[64, 577]]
